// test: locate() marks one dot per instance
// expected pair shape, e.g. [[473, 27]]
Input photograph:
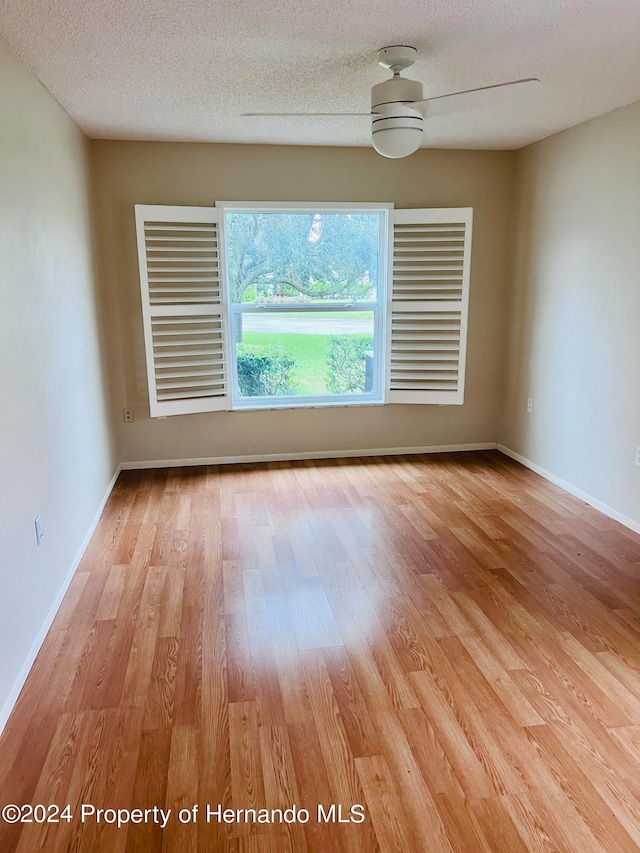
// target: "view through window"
[[306, 293]]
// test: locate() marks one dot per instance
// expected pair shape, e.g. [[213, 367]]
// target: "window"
[[252, 305], [306, 292]]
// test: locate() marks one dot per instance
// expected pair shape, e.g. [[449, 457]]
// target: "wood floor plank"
[[280, 786], [150, 789], [357, 721], [429, 753], [159, 706], [182, 790], [390, 821], [447, 640], [247, 779], [313, 785], [424, 824], [470, 771], [314, 624], [498, 831]]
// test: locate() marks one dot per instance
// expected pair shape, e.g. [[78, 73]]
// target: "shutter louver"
[[179, 251], [429, 305]]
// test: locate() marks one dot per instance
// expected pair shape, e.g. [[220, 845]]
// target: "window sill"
[[288, 406]]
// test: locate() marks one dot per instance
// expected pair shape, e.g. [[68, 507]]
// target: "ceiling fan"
[[398, 109]]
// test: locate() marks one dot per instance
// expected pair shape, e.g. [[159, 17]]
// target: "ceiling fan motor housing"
[[396, 129], [396, 90]]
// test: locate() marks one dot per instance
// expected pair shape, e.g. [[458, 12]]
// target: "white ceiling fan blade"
[[485, 96], [304, 115]]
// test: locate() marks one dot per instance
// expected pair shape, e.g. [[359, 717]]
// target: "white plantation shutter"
[[179, 252], [429, 305]]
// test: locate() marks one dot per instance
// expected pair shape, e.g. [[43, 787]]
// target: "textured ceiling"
[[187, 69]]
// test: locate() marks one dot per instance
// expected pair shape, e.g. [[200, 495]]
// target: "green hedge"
[[346, 372], [263, 371]]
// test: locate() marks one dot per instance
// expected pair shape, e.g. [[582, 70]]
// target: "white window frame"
[[377, 396]]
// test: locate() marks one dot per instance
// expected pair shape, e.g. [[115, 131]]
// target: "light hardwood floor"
[[448, 640]]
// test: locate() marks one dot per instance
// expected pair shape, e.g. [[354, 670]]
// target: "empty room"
[[320, 427]]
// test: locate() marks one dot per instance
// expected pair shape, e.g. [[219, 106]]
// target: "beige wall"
[[127, 173], [55, 453], [575, 319]]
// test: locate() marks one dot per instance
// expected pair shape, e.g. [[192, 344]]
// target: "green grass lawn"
[[310, 353]]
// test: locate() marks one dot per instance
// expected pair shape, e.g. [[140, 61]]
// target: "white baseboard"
[[312, 454], [12, 698], [568, 487]]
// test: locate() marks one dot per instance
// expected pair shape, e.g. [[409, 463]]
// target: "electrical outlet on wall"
[[530, 405], [638, 455], [127, 415]]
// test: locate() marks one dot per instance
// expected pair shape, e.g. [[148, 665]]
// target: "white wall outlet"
[[38, 526], [638, 455], [530, 405], [127, 415]]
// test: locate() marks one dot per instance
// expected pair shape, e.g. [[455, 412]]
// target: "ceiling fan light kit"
[[396, 130]]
